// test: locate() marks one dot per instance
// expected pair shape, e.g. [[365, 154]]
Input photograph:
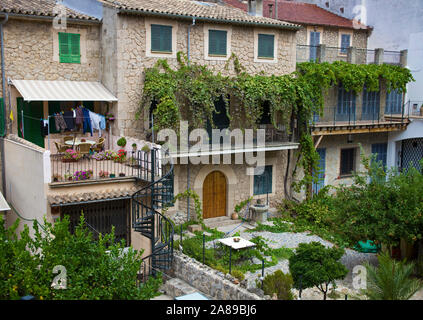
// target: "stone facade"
[[30, 47], [132, 59]]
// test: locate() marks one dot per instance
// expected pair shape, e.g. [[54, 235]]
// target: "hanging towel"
[[44, 128], [87, 122], [70, 122], [96, 121], [79, 116], [60, 122], [102, 122]]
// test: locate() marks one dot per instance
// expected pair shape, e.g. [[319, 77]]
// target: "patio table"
[[78, 142], [241, 244]]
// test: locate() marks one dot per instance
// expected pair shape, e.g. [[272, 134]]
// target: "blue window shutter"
[[266, 45], [263, 182], [346, 105], [321, 174], [161, 38], [381, 149], [371, 105], [393, 102], [314, 43], [345, 42], [217, 42]]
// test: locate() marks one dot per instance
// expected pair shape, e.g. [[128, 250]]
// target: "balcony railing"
[[415, 108], [94, 168], [357, 116], [323, 53]]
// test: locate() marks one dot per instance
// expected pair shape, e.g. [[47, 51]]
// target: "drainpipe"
[[188, 168], [3, 76]]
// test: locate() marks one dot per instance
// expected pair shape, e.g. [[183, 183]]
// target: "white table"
[[78, 142], [241, 244]]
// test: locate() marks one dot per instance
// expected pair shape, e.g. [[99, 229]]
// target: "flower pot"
[[121, 174], [234, 216], [112, 175]]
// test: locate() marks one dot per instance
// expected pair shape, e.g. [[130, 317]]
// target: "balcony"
[[323, 53]]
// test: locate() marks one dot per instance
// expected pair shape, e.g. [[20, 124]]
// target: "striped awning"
[[38, 90]]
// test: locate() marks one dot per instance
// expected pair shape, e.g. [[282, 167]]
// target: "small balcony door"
[[345, 110], [371, 105], [322, 170], [314, 43]]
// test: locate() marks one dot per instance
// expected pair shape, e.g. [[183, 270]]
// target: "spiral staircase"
[[156, 168]]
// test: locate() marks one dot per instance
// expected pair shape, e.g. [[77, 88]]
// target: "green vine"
[[191, 91], [197, 204]]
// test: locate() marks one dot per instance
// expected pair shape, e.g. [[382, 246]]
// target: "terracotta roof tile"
[[302, 13], [39, 8], [91, 196], [195, 9]]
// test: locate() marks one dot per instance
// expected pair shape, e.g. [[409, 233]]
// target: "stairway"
[[213, 223], [146, 205]]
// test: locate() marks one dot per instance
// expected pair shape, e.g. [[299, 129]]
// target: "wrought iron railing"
[[146, 216]]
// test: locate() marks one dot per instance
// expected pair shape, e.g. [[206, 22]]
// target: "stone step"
[[176, 287], [220, 222]]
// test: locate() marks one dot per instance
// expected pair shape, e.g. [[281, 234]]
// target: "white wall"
[[27, 173]]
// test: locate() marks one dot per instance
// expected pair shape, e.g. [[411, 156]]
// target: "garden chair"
[[99, 146], [60, 147], [84, 148], [69, 138]]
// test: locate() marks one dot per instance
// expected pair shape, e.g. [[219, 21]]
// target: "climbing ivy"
[[191, 91], [189, 193]]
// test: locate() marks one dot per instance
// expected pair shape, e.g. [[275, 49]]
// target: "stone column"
[[321, 53], [404, 58], [351, 55], [379, 53]]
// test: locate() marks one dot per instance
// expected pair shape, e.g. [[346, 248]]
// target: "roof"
[[41, 8], [104, 195], [40, 90], [205, 11], [303, 13]]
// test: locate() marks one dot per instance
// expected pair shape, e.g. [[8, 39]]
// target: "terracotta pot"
[[234, 216]]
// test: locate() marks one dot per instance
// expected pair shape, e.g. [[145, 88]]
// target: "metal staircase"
[[156, 167]]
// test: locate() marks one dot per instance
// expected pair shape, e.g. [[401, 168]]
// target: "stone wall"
[[29, 48], [133, 59], [208, 280]]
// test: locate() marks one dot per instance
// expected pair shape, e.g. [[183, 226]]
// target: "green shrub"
[[315, 265], [121, 142], [279, 283], [95, 269], [238, 274], [391, 280]]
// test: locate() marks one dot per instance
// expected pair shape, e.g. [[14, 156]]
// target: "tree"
[[315, 265], [391, 280], [95, 269]]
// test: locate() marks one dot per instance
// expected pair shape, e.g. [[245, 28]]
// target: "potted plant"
[[83, 140], [134, 147], [239, 207], [83, 175], [121, 174], [103, 174], [71, 155], [68, 176], [120, 156], [112, 175], [146, 148], [56, 177], [110, 117], [121, 142]]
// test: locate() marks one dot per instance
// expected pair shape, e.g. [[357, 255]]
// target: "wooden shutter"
[[64, 48], [393, 102], [75, 48], [347, 161], [266, 45], [217, 42], [263, 182], [314, 42], [161, 38], [346, 105], [371, 104], [345, 42], [381, 150]]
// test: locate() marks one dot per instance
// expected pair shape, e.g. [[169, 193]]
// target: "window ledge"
[[218, 55], [162, 52]]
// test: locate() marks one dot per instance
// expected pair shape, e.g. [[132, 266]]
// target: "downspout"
[[3, 77], [188, 168]]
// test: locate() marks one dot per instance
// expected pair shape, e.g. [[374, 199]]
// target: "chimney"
[[270, 10], [255, 8]]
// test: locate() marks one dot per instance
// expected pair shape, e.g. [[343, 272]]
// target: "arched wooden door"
[[214, 195]]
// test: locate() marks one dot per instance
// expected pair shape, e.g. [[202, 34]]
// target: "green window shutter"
[[266, 45], [161, 38], [69, 47], [75, 48], [263, 182], [217, 42]]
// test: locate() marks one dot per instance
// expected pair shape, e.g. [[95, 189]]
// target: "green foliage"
[[279, 283], [391, 280], [242, 204], [315, 265], [166, 115], [121, 142], [238, 274], [95, 269], [197, 204]]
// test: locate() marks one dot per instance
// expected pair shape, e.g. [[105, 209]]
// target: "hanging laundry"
[[96, 121], [60, 122], [79, 116], [70, 121], [44, 128], [87, 122]]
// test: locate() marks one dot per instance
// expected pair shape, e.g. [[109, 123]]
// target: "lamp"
[[350, 139]]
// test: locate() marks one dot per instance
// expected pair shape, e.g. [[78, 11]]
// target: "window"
[[218, 42], [393, 102], [314, 43], [345, 43], [266, 46], [345, 110], [347, 161], [381, 150], [69, 47], [371, 105], [263, 182], [161, 38]]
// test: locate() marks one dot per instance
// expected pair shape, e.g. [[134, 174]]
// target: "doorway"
[[214, 195]]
